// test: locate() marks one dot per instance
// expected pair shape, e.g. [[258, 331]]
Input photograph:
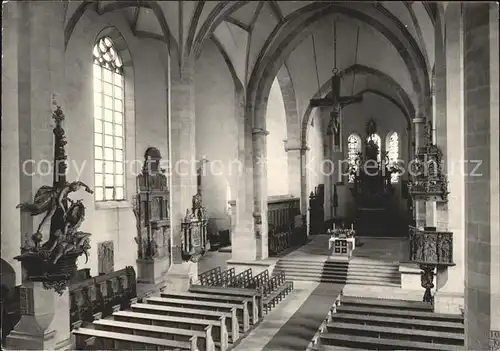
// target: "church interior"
[[250, 175]]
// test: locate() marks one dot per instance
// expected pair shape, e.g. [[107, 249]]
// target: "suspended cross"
[[338, 103]]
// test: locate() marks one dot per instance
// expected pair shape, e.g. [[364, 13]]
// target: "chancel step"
[[339, 272], [386, 324]]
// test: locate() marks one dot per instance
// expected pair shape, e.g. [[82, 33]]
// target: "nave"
[[250, 175]]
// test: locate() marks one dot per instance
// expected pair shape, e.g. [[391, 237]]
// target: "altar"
[[342, 243]]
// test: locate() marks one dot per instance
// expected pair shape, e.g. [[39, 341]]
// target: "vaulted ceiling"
[[388, 41]]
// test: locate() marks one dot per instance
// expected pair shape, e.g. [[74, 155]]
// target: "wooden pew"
[[226, 277], [241, 310], [205, 341], [230, 318], [118, 341], [218, 328], [254, 294], [242, 280], [99, 294], [274, 289], [210, 277], [253, 309]]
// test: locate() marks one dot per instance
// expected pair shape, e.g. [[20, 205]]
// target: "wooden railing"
[[282, 232], [101, 294]]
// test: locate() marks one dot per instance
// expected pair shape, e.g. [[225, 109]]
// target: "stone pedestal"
[[151, 274], [44, 323], [180, 276]]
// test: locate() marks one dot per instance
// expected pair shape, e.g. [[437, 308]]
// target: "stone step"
[[308, 277], [396, 333], [382, 321], [339, 272], [350, 277], [398, 304], [354, 269], [391, 312], [370, 343]]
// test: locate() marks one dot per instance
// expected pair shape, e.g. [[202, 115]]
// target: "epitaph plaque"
[[106, 257]]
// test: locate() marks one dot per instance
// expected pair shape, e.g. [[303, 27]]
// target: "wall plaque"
[[106, 257]]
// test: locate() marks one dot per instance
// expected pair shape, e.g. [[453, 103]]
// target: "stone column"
[[419, 205], [482, 243], [292, 147], [183, 169], [304, 195], [243, 243], [10, 137], [260, 192], [44, 322], [449, 297]]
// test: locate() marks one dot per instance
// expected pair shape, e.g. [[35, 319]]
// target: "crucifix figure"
[[338, 103]]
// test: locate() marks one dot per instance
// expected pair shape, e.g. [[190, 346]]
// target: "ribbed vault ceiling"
[[254, 33]]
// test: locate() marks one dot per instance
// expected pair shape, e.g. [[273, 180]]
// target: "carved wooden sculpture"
[[54, 262]]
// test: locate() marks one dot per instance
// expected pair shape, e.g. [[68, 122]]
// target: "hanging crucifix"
[[337, 103], [335, 100]]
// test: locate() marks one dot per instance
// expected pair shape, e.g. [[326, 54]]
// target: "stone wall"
[[481, 188]]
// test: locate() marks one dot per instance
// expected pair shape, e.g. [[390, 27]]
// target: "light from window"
[[109, 130], [353, 147], [376, 139], [393, 154]]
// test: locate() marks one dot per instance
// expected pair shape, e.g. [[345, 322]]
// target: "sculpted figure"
[[49, 198]]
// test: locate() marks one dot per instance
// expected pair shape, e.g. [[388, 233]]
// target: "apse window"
[[109, 126], [393, 153], [353, 148]]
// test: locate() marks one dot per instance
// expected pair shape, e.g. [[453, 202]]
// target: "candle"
[[352, 227], [333, 226]]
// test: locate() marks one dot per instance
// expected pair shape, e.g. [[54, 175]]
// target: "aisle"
[[298, 331]]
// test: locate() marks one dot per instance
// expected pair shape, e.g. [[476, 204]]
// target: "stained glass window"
[[353, 147], [393, 153], [109, 129], [376, 139]]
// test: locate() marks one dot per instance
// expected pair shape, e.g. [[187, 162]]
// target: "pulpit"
[[151, 208]]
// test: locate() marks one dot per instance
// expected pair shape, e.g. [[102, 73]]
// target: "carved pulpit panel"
[[106, 257]]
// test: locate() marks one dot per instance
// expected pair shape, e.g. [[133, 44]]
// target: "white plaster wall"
[[216, 134], [277, 158], [146, 125], [314, 171]]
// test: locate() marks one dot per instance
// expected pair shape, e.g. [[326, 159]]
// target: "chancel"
[[256, 175]]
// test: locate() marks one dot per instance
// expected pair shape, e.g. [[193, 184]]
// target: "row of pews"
[[215, 314], [270, 290]]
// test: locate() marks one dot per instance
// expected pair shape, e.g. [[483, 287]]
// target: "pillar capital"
[[418, 120], [260, 131]]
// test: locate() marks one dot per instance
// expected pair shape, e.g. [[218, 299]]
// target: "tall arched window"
[[109, 130], [353, 147], [392, 147], [376, 139]]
